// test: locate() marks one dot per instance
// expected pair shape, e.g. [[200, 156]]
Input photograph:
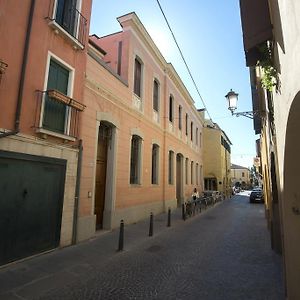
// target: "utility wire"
[[184, 59]]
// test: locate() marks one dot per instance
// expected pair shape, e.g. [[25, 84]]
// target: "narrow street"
[[222, 253]]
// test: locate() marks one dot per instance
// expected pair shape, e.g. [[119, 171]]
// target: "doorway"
[[104, 140]]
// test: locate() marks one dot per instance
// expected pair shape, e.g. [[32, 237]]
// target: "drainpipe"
[[77, 191], [22, 77]]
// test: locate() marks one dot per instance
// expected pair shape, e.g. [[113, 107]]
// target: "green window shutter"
[[54, 111]]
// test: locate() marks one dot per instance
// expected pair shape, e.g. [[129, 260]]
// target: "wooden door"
[[101, 175]]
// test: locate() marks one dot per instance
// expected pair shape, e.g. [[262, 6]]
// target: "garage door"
[[31, 201]]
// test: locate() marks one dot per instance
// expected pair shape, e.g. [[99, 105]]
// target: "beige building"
[[240, 175], [216, 158], [272, 47], [142, 135]]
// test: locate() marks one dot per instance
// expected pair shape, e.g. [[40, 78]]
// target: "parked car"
[[256, 195]]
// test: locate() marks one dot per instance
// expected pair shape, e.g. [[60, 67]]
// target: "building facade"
[[216, 159], [142, 135], [272, 52], [41, 95], [240, 176]]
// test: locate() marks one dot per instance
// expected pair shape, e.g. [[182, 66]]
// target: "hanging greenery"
[[269, 78]]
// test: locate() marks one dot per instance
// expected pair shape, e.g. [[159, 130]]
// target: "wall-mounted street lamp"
[[232, 98]]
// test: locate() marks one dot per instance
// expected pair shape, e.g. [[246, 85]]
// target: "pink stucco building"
[[42, 63], [141, 132]]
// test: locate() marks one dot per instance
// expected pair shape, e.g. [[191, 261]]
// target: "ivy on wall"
[[270, 77]]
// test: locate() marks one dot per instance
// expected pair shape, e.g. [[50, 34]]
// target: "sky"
[[210, 37]]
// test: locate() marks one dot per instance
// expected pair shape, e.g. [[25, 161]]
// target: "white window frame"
[[69, 94]]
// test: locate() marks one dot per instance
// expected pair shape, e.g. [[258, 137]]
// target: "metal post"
[[169, 217], [121, 236], [151, 225], [183, 212]]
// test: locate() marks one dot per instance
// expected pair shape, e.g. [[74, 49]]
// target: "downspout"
[[22, 77], [77, 191]]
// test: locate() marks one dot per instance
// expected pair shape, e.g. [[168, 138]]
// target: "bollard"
[[183, 212], [151, 225], [169, 217], [121, 236]]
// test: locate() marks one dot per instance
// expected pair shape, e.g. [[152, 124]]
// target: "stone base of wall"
[[86, 227], [133, 214]]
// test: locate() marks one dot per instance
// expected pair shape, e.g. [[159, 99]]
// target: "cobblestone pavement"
[[223, 253]]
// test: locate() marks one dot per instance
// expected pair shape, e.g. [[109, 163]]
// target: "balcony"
[[57, 115], [67, 20]]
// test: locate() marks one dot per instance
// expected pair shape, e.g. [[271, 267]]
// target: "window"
[[192, 125], [137, 77], [155, 95], [68, 19], [55, 112], [197, 173], [155, 163], [200, 139], [186, 171], [135, 160], [171, 167], [197, 133], [66, 14], [171, 100], [180, 117], [192, 172], [243, 174], [200, 175], [186, 124]]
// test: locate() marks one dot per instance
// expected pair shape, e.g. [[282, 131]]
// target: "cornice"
[[131, 21]]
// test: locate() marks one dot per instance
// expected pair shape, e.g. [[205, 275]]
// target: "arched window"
[[192, 172], [180, 117], [155, 164], [135, 160], [156, 95], [171, 167], [137, 88], [171, 108]]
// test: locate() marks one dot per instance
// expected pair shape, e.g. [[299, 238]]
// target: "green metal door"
[[31, 201]]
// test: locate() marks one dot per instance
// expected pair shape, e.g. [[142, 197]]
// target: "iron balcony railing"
[[58, 113], [69, 18]]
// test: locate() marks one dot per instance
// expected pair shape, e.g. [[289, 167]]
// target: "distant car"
[[256, 195]]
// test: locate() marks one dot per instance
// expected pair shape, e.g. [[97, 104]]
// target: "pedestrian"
[[195, 194]]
